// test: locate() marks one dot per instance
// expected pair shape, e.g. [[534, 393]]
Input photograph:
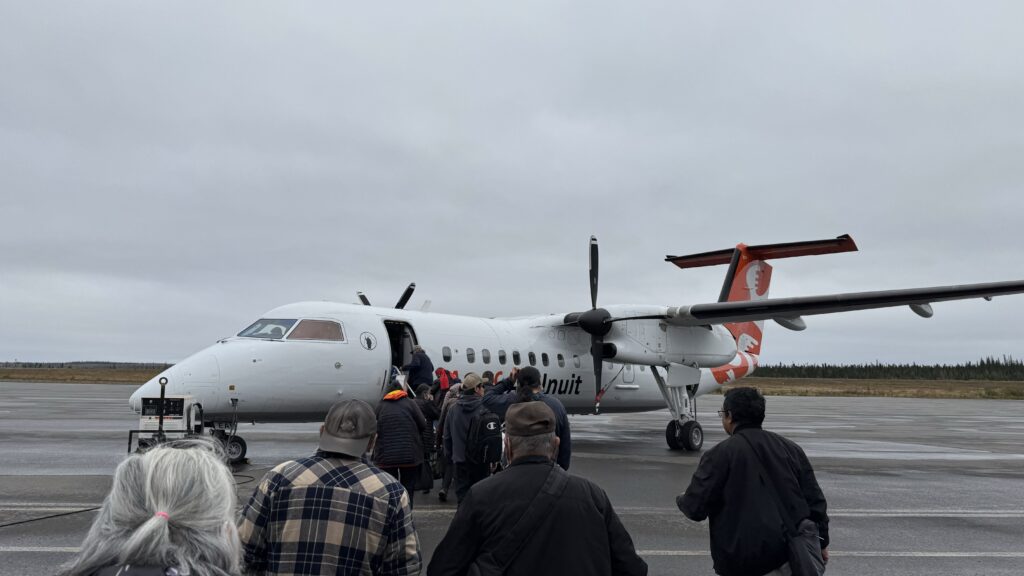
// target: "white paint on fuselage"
[[298, 380]]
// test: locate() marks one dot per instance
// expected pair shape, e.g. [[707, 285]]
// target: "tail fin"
[[748, 279]]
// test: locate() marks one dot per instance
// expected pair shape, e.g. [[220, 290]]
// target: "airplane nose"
[[148, 390], [197, 372]]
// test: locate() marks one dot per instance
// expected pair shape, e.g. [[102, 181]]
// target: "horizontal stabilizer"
[[842, 243]]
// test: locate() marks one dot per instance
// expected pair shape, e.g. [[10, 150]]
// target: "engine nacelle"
[[654, 343]]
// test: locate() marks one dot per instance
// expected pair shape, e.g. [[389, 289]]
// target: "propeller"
[[594, 322], [401, 301], [406, 295]]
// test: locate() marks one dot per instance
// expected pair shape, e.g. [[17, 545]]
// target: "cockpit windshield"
[[267, 328]]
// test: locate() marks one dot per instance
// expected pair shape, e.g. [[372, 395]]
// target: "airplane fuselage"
[[283, 379]]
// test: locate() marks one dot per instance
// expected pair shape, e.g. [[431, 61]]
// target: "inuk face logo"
[[492, 426], [368, 341]]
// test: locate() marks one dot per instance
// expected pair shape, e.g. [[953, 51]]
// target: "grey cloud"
[[169, 172]]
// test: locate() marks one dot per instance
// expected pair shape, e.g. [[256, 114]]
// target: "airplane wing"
[[791, 309]]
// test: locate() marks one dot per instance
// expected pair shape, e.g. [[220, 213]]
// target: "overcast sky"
[[170, 171]]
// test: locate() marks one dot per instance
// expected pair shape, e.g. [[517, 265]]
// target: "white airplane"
[[294, 362]]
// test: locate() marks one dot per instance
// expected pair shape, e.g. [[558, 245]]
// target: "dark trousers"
[[467, 474], [407, 475], [448, 472]]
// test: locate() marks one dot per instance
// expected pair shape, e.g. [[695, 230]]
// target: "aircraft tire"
[[235, 447], [692, 436], [673, 435]]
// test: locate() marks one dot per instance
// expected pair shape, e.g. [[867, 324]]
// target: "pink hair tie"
[[163, 515]]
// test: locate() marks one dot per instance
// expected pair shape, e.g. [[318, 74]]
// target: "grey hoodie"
[[456, 426]]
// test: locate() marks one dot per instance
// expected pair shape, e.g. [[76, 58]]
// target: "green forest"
[[1006, 368]]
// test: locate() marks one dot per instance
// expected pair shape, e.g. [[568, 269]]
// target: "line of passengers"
[[347, 509]]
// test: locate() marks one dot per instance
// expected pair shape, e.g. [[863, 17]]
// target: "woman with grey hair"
[[170, 512]]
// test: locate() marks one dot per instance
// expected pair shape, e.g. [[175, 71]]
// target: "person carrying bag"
[[802, 541]]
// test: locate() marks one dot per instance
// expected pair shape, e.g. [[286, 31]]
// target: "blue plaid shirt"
[[329, 514]]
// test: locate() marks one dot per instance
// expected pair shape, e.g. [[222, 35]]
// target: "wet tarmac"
[[914, 487]]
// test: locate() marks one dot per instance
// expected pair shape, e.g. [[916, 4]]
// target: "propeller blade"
[[363, 299], [596, 348], [593, 272], [406, 295]]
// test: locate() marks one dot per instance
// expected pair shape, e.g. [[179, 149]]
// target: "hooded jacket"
[[456, 426], [400, 427]]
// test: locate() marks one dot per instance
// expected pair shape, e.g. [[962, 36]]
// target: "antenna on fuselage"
[[363, 299]]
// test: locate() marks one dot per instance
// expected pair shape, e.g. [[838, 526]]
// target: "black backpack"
[[483, 446]]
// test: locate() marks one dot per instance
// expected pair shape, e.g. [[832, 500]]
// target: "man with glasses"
[[732, 485]]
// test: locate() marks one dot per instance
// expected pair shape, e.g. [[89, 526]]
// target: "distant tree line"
[[100, 365], [1006, 368]]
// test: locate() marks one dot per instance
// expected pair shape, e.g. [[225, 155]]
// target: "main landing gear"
[[683, 432], [686, 436], [234, 446]]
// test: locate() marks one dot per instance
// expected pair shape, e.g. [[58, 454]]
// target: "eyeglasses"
[[722, 413]]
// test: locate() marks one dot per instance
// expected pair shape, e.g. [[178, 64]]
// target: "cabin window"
[[446, 353], [501, 357], [317, 330], [544, 358], [516, 359], [470, 355], [268, 328], [575, 360], [533, 358], [561, 361], [485, 355]]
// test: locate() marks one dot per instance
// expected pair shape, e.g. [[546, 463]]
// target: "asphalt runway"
[[914, 487]]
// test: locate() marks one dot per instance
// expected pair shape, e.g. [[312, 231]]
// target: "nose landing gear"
[[234, 446]]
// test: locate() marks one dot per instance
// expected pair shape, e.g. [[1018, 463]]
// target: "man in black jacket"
[[420, 369], [579, 533], [525, 386], [747, 534]]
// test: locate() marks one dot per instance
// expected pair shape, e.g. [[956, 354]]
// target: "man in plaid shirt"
[[331, 513]]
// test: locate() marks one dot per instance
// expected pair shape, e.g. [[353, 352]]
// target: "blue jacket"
[[499, 397], [456, 426]]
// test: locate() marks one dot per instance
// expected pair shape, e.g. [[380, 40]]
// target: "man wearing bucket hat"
[[535, 518], [361, 516]]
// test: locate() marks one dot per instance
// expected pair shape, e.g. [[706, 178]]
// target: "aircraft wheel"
[[692, 436], [673, 435], [235, 448]]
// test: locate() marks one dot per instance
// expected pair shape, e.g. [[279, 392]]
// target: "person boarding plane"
[[297, 360]]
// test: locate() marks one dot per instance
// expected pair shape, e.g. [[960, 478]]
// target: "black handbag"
[[803, 544], [495, 563]]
